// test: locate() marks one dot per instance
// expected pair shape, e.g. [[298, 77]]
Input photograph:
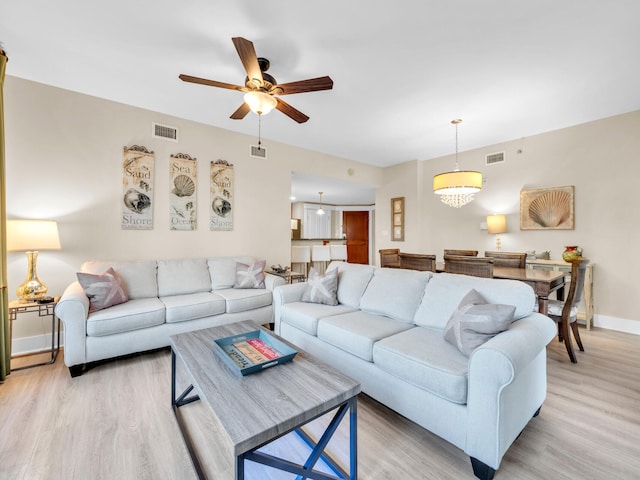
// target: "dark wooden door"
[[356, 227]]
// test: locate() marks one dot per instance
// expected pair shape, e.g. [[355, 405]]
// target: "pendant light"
[[320, 210], [456, 188]]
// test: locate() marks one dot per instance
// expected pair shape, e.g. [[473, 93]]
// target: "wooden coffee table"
[[252, 411]]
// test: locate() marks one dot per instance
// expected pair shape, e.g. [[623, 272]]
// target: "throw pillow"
[[321, 288], [475, 322], [104, 290], [250, 276]]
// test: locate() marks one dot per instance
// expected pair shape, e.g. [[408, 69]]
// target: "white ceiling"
[[401, 70]]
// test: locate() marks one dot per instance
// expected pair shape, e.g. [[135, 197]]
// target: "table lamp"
[[497, 224], [31, 236]]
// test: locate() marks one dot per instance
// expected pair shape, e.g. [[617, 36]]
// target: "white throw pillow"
[[321, 288], [475, 322], [250, 276]]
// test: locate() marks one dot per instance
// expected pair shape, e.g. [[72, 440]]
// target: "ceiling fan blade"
[[291, 112], [241, 112], [249, 59], [211, 83], [311, 85]]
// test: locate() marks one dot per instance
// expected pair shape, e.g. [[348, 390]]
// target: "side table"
[[43, 310], [289, 276]]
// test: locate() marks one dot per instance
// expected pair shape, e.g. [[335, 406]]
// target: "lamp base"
[[498, 243], [32, 288]]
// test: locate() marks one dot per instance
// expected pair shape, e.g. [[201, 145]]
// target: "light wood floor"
[[115, 422]]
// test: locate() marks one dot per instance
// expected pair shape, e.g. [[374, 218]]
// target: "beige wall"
[[64, 153], [64, 162], [601, 159]]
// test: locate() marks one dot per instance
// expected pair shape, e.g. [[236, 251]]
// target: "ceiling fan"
[[262, 92]]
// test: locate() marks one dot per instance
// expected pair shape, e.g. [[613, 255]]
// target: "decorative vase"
[[571, 253]]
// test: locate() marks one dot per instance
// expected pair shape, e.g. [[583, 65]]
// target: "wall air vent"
[[257, 152], [164, 131], [494, 158]]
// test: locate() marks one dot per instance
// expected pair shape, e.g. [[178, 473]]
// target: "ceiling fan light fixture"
[[260, 102]]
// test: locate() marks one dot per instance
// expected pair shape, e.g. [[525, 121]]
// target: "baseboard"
[[615, 323], [37, 343]]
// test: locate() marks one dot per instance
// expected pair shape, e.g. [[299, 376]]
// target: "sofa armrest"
[[507, 385], [273, 281], [73, 310], [286, 294]]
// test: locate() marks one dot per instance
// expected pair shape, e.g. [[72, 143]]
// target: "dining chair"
[[565, 313], [478, 267], [417, 261], [320, 254], [466, 253], [508, 259], [300, 255], [389, 257]]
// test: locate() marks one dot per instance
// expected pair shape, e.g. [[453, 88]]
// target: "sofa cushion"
[[305, 316], [395, 293], [139, 277], [222, 271], [422, 357], [250, 275], [475, 322], [353, 279], [103, 291], [445, 291], [181, 308], [132, 315], [322, 288], [356, 332], [179, 277], [241, 300]]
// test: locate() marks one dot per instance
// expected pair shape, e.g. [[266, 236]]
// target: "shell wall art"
[[547, 208], [221, 196], [183, 195], [137, 188]]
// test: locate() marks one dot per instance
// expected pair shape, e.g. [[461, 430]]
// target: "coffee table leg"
[[176, 403], [353, 434]]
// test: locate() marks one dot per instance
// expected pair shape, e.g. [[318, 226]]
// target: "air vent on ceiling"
[[257, 152], [164, 131], [494, 158]]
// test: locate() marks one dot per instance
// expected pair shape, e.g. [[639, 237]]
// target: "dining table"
[[543, 282]]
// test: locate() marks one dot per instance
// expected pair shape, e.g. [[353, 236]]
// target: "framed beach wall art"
[[137, 188], [221, 196], [547, 208], [183, 192], [397, 219]]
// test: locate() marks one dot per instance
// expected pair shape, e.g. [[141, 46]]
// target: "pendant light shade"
[[320, 210], [456, 188]]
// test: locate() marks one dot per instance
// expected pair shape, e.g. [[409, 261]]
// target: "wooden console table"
[[585, 308]]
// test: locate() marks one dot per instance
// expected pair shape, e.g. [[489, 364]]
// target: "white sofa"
[[166, 297], [387, 333]]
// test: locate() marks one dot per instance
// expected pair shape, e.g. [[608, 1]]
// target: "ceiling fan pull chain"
[[259, 131]]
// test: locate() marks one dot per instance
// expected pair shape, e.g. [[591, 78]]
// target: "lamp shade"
[[260, 102], [32, 235], [496, 224], [458, 182], [294, 224]]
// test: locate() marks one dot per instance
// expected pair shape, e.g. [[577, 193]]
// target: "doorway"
[[355, 226]]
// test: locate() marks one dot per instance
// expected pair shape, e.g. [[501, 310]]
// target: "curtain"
[[5, 337]]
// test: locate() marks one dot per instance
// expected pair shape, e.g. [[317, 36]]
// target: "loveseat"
[[387, 331], [165, 297]]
